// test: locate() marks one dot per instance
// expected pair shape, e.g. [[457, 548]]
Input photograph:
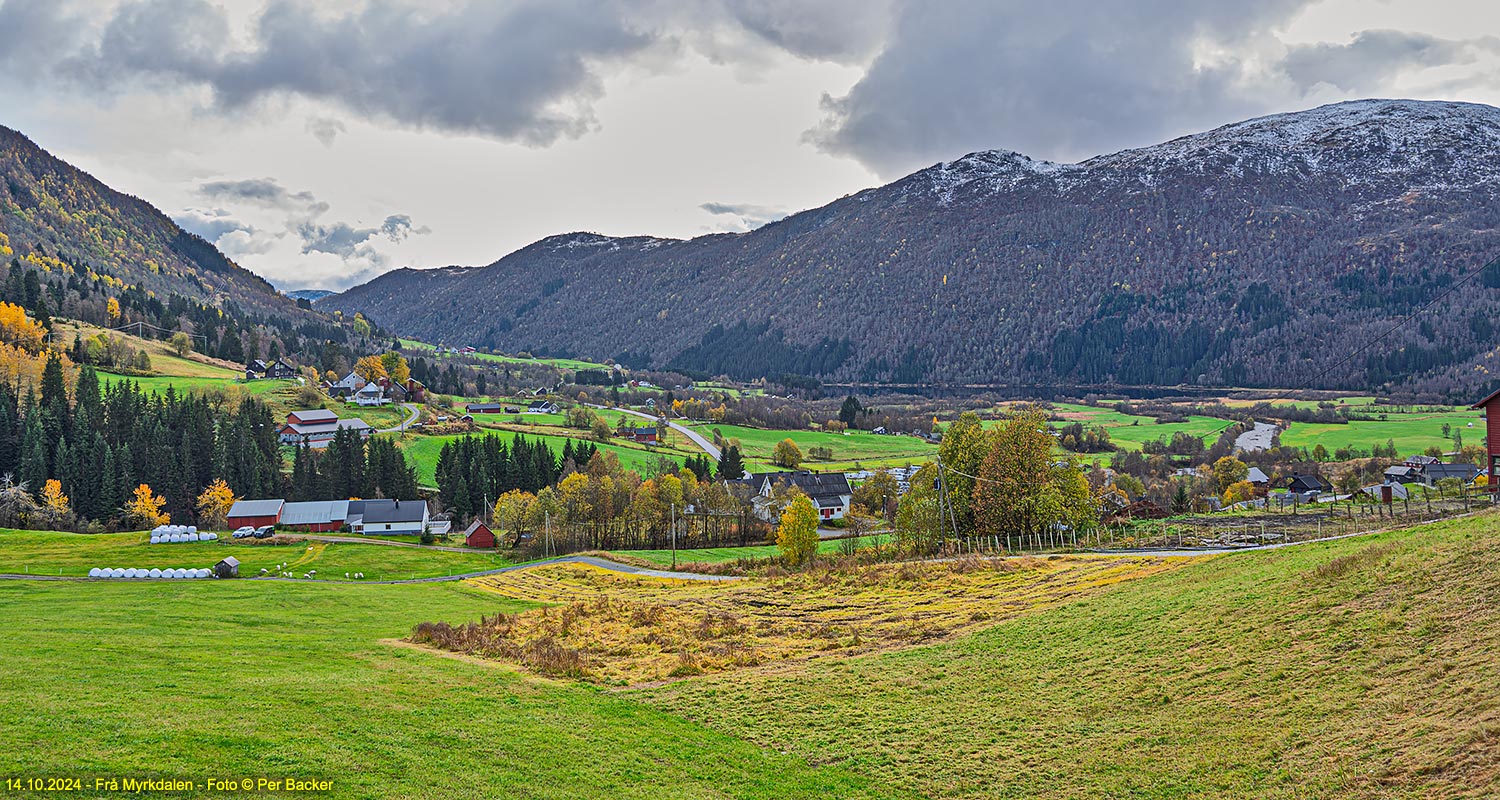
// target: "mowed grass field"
[[1130, 431], [236, 679], [1412, 432], [866, 448], [1359, 668], [54, 553], [422, 452], [560, 363]]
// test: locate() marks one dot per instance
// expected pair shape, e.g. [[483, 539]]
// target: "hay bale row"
[[138, 574], [174, 534]]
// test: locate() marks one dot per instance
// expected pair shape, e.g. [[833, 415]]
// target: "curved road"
[[694, 436], [411, 409]]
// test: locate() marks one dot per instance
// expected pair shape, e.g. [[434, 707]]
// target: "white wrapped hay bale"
[[205, 572], [192, 529], [154, 573], [212, 537], [129, 572], [94, 573], [192, 537], [156, 540]]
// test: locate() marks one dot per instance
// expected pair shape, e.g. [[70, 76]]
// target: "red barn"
[[642, 435], [479, 534], [255, 513], [1491, 407]]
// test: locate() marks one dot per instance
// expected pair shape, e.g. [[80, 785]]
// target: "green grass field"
[[1359, 668], [422, 452], [1129, 431], [52, 553], [237, 679], [560, 363], [857, 446], [1412, 433]]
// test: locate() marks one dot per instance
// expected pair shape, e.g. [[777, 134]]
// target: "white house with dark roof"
[[828, 491], [388, 517]]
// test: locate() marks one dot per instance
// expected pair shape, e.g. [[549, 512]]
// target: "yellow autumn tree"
[[371, 368], [396, 367], [797, 535], [20, 330], [214, 504], [787, 454], [53, 498], [113, 309], [145, 508]]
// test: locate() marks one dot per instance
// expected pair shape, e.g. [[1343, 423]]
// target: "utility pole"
[[674, 537], [547, 522]]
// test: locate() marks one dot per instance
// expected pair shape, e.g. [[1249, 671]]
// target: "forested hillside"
[[77, 248], [1260, 253]]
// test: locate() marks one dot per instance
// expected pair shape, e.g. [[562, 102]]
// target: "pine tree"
[[33, 467], [731, 464]]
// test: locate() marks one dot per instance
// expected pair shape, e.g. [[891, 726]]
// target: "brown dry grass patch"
[[621, 629]]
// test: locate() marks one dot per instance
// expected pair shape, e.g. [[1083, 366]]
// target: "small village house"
[[542, 407], [388, 517], [279, 369], [644, 435]]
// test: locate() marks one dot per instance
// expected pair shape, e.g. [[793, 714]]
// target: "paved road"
[[411, 409], [696, 437]]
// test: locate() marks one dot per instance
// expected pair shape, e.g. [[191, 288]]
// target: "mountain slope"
[[1260, 253], [77, 248], [51, 208]]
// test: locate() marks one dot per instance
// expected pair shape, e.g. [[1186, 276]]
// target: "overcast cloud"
[[551, 115]]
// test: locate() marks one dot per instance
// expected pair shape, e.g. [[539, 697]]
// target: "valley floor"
[[1356, 668]]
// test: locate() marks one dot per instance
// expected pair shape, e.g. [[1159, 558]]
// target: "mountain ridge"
[[1240, 255]]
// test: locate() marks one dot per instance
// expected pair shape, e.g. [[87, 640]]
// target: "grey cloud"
[[344, 240], [1063, 79], [524, 70], [325, 129], [750, 216], [1069, 79], [1373, 57], [834, 30], [210, 224], [264, 192]]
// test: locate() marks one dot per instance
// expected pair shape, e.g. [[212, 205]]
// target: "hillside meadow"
[[1356, 668], [230, 679]]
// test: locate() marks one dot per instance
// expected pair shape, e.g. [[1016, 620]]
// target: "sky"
[[322, 143]]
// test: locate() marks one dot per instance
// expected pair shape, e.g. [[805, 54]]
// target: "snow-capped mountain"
[[1255, 253]]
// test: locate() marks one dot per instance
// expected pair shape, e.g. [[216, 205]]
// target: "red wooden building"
[[1491, 407], [479, 534], [254, 513]]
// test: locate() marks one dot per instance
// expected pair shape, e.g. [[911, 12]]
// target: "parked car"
[[265, 532], [243, 532]]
